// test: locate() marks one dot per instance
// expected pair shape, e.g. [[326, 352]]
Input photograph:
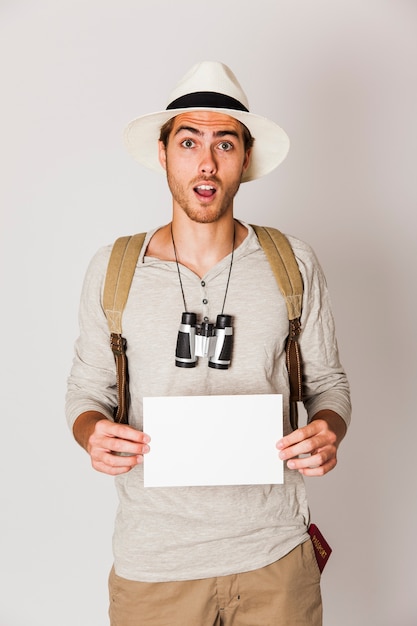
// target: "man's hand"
[[107, 443], [319, 440]]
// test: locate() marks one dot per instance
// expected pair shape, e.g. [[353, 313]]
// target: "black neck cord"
[[228, 277]]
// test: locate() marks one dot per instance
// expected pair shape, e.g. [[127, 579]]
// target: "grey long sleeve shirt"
[[164, 534]]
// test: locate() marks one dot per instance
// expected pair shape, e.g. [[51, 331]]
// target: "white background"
[[340, 77]]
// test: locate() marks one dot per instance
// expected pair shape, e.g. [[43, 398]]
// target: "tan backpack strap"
[[120, 271], [284, 265]]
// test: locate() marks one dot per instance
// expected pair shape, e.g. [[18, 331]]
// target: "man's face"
[[204, 159]]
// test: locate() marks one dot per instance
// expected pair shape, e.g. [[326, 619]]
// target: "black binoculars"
[[205, 340]]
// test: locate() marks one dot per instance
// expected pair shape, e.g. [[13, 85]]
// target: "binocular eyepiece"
[[206, 340]]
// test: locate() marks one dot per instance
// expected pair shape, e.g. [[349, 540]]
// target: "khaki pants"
[[286, 593]]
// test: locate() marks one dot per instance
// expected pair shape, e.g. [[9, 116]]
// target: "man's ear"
[[247, 160], [162, 154]]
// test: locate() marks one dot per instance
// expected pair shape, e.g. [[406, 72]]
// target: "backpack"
[[120, 270]]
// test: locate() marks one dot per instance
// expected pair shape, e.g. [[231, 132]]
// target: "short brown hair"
[[166, 129]]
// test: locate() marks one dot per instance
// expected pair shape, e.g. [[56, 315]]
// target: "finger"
[[315, 464], [125, 447], [307, 461], [118, 439], [118, 452], [306, 446], [107, 428], [112, 470], [109, 463], [298, 435], [320, 470]]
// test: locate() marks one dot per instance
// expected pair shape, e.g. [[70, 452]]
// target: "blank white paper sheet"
[[213, 440]]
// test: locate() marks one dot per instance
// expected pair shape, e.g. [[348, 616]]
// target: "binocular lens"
[[185, 351]]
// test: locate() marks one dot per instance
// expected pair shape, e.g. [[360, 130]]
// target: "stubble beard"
[[204, 213]]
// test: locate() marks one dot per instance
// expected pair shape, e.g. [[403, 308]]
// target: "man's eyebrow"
[[195, 131], [189, 129], [223, 133]]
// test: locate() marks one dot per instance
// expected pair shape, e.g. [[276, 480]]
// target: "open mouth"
[[205, 191]]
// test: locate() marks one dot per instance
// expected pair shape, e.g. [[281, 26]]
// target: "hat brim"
[[269, 150]]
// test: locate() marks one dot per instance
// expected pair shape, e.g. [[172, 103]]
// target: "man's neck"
[[198, 246]]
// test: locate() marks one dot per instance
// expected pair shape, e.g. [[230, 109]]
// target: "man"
[[204, 556]]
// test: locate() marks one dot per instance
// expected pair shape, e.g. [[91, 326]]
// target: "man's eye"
[[187, 143], [225, 145]]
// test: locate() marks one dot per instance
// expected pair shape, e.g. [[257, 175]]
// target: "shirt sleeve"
[[92, 380], [325, 384]]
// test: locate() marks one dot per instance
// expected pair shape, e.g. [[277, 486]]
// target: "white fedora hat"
[[210, 86]]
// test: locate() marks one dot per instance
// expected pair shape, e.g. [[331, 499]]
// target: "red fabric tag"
[[322, 549]]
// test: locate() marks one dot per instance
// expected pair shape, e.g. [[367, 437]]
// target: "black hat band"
[[210, 99]]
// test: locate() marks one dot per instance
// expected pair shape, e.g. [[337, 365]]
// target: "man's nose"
[[208, 163]]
